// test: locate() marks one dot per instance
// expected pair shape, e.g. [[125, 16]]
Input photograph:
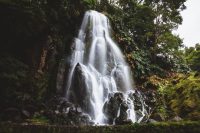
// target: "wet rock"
[[123, 116], [139, 115], [115, 109], [136, 97], [79, 92], [79, 118], [63, 112], [119, 97], [112, 106], [123, 111], [85, 120], [140, 106]]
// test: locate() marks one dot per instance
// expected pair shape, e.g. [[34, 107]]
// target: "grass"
[[161, 127]]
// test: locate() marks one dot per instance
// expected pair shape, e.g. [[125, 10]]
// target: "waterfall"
[[99, 73]]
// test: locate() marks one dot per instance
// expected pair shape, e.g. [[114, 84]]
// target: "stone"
[[176, 118], [79, 92], [152, 121], [61, 111], [113, 106], [123, 111]]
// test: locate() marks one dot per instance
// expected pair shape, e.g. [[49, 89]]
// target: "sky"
[[190, 28]]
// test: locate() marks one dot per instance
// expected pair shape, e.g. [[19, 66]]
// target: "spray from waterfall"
[[99, 75]]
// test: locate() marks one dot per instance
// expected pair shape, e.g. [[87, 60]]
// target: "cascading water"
[[99, 74]]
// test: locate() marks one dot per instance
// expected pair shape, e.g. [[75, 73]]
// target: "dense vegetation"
[[35, 40], [182, 95]]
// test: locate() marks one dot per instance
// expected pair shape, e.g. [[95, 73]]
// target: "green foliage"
[[182, 96], [90, 4], [143, 30], [193, 57]]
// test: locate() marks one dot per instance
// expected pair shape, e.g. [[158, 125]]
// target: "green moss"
[[164, 127]]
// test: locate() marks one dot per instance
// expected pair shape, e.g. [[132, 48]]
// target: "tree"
[[144, 31], [193, 57]]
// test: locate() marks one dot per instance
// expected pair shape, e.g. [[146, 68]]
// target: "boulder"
[[61, 111], [112, 106], [123, 116], [79, 92], [176, 119]]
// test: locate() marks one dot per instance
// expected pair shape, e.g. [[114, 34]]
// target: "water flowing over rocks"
[[115, 109], [99, 79], [117, 106]]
